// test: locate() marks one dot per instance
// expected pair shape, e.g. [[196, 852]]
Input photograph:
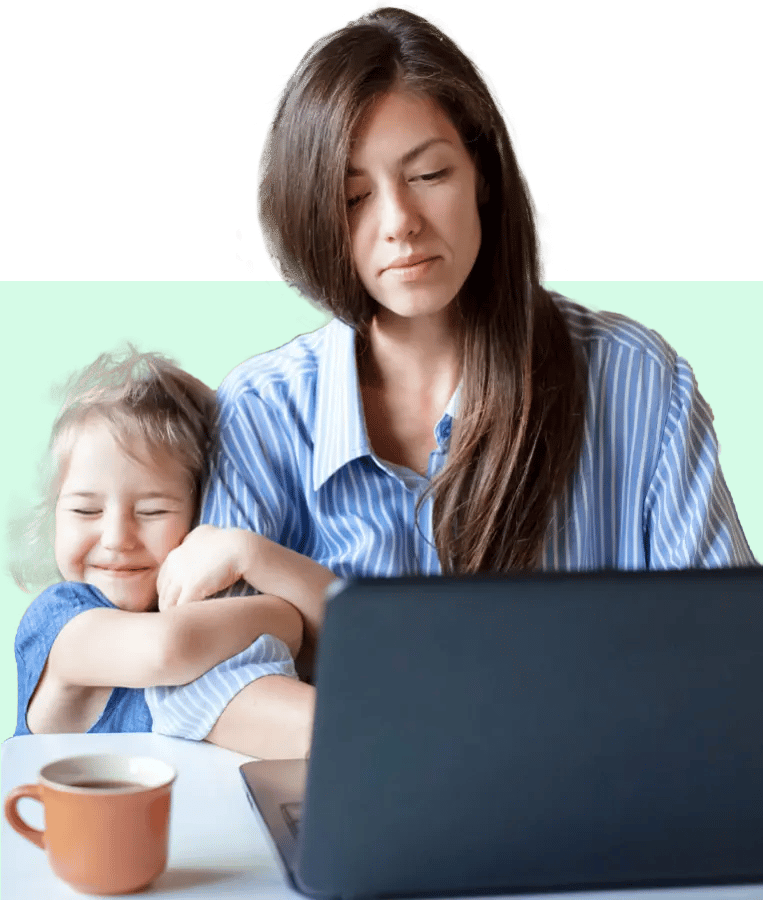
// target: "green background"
[[130, 136], [54, 328], [131, 131]]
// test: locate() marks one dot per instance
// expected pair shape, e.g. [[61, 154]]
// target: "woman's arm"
[[271, 718], [689, 517], [108, 647], [253, 485]]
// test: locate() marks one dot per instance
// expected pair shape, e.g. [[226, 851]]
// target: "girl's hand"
[[208, 560]]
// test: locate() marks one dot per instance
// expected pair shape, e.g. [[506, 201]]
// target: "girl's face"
[[412, 206], [117, 517]]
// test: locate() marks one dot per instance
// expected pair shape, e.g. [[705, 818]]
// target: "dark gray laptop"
[[547, 732]]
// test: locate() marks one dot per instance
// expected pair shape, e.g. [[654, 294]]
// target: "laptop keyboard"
[[292, 813]]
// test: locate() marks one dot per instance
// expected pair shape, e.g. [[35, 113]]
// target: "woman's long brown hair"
[[518, 431]]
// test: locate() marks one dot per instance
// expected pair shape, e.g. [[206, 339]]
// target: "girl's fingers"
[[168, 592], [189, 592]]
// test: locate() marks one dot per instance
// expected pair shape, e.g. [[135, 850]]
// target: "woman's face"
[[412, 206]]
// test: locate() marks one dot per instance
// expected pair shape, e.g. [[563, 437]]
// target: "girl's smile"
[[120, 511]]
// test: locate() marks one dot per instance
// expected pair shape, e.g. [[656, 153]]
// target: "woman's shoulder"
[[291, 368], [596, 332]]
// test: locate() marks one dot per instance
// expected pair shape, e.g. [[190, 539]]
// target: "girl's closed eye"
[[352, 202]]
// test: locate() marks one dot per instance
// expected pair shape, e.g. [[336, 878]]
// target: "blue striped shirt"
[[191, 710], [294, 462]]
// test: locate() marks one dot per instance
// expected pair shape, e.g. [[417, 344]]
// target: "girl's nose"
[[118, 530]]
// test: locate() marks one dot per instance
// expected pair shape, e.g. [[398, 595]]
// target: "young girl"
[[454, 416], [128, 452]]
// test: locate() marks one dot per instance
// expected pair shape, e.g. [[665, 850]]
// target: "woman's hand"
[[209, 560]]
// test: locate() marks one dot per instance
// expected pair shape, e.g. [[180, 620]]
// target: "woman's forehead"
[[398, 127]]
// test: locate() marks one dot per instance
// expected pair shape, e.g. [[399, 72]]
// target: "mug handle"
[[35, 835]]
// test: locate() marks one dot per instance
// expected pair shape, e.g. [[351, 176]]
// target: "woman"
[[455, 416]]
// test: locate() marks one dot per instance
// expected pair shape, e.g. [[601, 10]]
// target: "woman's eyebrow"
[[407, 157]]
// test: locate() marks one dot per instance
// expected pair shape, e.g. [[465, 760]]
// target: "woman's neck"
[[421, 354], [408, 371]]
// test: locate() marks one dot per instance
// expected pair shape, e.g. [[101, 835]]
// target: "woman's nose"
[[401, 217], [118, 530]]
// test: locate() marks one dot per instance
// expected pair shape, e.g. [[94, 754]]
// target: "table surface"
[[218, 846]]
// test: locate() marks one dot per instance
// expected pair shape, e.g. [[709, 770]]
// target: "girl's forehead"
[[96, 438], [97, 452]]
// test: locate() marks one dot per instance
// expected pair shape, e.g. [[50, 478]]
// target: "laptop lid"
[[503, 734]]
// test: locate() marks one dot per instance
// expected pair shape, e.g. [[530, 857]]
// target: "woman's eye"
[[431, 176], [148, 513], [352, 202], [86, 512]]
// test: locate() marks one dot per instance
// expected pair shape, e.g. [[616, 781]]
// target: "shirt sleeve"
[[190, 710], [247, 487], [690, 518], [40, 625], [251, 482]]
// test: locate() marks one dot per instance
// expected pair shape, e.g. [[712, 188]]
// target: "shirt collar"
[[340, 427], [443, 428]]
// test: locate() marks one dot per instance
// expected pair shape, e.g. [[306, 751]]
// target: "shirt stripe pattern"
[[294, 462], [190, 710]]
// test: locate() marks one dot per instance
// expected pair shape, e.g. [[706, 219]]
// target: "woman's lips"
[[413, 269]]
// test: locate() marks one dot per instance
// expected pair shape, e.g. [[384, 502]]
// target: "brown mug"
[[106, 820]]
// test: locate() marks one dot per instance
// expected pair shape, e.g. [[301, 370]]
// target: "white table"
[[218, 847]]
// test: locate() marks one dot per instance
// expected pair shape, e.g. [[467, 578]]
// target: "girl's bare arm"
[[109, 647]]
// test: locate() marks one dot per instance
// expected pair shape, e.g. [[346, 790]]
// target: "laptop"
[[506, 734]]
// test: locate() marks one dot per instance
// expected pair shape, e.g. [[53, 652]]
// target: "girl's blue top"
[[126, 709]]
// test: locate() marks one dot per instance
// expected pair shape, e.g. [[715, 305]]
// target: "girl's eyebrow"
[[407, 157], [150, 495]]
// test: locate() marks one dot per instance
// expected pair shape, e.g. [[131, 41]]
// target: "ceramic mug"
[[106, 820]]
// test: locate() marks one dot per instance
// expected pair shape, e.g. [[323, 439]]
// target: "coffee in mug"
[[106, 820]]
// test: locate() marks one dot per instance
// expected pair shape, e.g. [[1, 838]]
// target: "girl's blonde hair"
[[138, 395]]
